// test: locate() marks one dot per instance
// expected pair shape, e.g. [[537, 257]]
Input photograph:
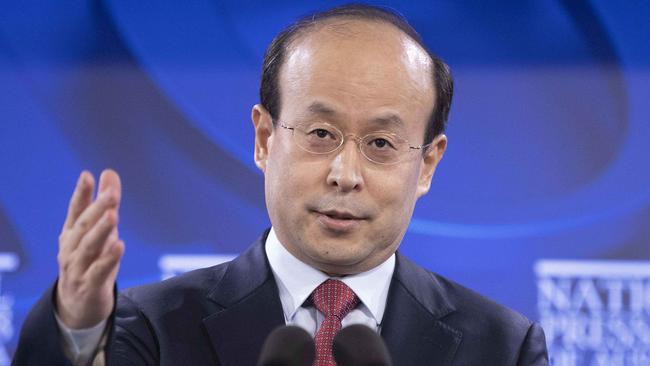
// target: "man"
[[348, 135]]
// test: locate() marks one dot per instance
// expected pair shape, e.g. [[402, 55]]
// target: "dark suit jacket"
[[221, 316]]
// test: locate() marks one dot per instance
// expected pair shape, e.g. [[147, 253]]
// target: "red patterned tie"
[[335, 300]]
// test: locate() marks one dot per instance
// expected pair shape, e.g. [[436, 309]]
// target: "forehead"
[[358, 69]]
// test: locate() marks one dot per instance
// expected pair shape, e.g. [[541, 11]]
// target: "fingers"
[[90, 225], [107, 265], [83, 214], [87, 220], [81, 198], [93, 243], [109, 179], [89, 251], [83, 193]]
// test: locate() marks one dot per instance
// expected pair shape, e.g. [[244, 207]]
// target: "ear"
[[430, 161], [263, 124]]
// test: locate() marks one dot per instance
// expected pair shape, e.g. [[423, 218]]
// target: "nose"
[[345, 170]]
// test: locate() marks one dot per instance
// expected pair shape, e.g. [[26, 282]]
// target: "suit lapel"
[[247, 294], [412, 326], [251, 306]]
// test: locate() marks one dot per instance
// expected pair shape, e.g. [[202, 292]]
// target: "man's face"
[[339, 212]]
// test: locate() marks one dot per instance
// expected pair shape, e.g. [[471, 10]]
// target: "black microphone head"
[[358, 345], [287, 346]]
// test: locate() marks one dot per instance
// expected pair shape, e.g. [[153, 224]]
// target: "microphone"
[[358, 345], [287, 346]]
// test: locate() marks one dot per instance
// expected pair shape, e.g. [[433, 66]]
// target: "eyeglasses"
[[381, 147]]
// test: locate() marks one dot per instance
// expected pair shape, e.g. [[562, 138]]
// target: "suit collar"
[[413, 326], [296, 280], [250, 305]]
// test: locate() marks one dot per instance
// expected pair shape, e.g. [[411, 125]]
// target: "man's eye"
[[381, 143], [321, 133]]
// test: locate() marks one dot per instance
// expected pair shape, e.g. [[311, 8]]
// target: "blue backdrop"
[[549, 153]]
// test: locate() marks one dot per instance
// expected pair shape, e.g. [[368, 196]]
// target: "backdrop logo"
[[174, 264], [595, 312], [8, 263]]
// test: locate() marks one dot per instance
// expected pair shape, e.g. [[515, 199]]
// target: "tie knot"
[[334, 298]]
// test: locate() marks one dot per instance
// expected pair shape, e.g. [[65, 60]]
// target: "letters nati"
[[595, 312]]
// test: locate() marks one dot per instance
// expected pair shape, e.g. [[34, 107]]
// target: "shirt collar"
[[296, 280]]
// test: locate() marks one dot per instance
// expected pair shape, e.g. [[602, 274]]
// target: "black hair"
[[275, 54]]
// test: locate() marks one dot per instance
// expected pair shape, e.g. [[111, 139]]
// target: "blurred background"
[[542, 201]]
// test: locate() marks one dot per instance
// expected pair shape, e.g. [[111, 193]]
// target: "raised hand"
[[89, 252]]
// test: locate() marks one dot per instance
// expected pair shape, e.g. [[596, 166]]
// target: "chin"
[[338, 263]]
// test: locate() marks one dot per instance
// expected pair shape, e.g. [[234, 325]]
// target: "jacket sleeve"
[[40, 341], [133, 341], [129, 339], [533, 349]]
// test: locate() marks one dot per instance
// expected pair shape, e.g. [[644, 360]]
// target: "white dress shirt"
[[296, 281], [80, 345]]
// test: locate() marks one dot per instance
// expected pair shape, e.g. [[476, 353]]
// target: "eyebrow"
[[322, 109], [325, 110], [389, 119]]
